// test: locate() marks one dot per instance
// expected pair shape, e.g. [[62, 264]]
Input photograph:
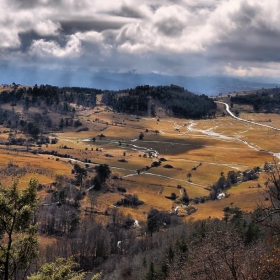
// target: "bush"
[[77, 123], [173, 195], [168, 166], [156, 164], [129, 200], [121, 189], [122, 160], [128, 222], [83, 129], [54, 141], [108, 155], [141, 136]]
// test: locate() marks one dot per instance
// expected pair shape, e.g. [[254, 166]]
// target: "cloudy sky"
[[180, 37]]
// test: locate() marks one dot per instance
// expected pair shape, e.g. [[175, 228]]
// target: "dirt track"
[[243, 120]]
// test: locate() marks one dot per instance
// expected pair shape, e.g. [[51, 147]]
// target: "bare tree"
[[270, 208]]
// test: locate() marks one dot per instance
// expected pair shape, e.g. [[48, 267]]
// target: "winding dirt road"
[[240, 119]]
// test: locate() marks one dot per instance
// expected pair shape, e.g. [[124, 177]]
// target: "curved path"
[[240, 119], [176, 126]]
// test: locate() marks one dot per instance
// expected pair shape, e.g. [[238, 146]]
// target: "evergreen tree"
[[18, 232], [103, 172], [153, 221], [61, 269], [81, 173]]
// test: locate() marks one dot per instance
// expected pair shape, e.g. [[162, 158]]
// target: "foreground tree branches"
[[18, 229], [269, 212]]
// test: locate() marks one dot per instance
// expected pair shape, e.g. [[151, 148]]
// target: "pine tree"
[[18, 232]]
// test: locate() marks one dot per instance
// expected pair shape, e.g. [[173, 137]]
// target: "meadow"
[[198, 151]]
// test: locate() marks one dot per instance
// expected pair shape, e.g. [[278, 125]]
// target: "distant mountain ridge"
[[116, 81]]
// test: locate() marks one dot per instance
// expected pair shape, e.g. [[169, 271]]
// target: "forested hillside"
[[175, 99], [49, 101], [267, 101], [49, 95]]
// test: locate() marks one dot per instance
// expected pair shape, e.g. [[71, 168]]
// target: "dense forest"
[[177, 100], [142, 100], [49, 95], [267, 101]]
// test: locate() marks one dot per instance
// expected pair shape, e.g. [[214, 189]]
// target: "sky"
[[239, 38]]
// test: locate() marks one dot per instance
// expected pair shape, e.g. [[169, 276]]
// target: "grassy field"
[[209, 146]]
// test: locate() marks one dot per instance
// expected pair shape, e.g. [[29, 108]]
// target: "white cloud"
[[253, 70], [134, 48], [45, 49], [171, 33], [9, 39], [47, 27], [90, 36]]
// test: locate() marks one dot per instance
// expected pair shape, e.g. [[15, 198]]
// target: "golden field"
[[212, 145]]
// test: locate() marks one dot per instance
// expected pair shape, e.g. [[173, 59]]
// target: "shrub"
[[121, 189], [83, 129], [168, 166], [108, 155], [54, 141], [141, 136], [122, 160], [156, 164], [129, 200], [77, 123]]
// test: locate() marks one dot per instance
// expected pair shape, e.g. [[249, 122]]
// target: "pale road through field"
[[240, 119]]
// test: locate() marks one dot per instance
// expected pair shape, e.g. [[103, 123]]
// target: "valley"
[[218, 145], [109, 177]]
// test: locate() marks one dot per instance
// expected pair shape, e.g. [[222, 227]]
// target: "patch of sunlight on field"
[[31, 166], [246, 196], [203, 148]]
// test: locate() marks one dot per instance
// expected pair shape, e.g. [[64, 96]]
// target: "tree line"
[[50, 95], [179, 101], [267, 101]]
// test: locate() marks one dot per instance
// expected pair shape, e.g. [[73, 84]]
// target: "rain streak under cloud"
[[238, 38]]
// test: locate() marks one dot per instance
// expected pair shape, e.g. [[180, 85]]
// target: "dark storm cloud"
[[28, 37], [256, 46], [254, 38], [25, 4], [175, 37], [128, 11], [246, 14], [82, 25]]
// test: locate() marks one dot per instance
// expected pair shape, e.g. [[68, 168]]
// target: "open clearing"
[[203, 148]]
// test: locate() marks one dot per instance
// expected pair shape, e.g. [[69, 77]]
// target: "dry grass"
[[216, 145]]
